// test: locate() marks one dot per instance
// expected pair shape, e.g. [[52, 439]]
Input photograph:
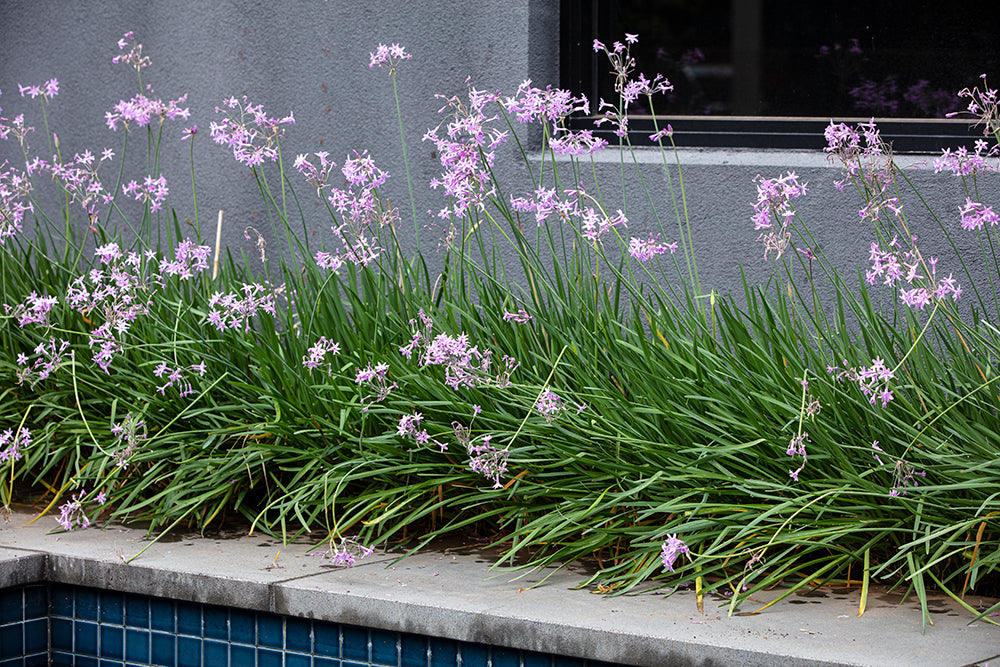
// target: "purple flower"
[[48, 359], [72, 512], [11, 445], [317, 353], [252, 135], [388, 55], [550, 405], [141, 110], [643, 251], [46, 91], [671, 549], [34, 310], [520, 317], [153, 191], [975, 215], [347, 552], [189, 260], [232, 310], [189, 132], [134, 56], [130, 432], [797, 447], [487, 460]]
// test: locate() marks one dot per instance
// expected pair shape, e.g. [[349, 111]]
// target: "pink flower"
[[671, 549]]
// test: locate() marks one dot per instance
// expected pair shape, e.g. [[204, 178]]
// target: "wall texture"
[[310, 57]]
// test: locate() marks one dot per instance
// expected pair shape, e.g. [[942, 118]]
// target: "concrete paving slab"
[[458, 596]]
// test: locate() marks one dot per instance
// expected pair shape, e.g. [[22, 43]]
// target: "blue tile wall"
[[75, 626]]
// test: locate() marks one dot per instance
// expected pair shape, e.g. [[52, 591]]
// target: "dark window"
[[773, 73]]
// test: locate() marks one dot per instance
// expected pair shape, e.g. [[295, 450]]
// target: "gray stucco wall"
[[311, 57]]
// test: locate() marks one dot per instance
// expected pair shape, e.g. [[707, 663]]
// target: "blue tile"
[[216, 623], [601, 663], [86, 605], [82, 661], [475, 655], [325, 662], [85, 635], [505, 657], [112, 608], [137, 645], [240, 655], [189, 619], [111, 663], [444, 653], [36, 636], [354, 644], [62, 634], [13, 662], [384, 650], [297, 660], [62, 658], [327, 638], [270, 631], [298, 635], [188, 651], [35, 602], [412, 651], [163, 649], [112, 642], [568, 662], [530, 659], [215, 653], [40, 660], [136, 611], [161, 615], [351, 663], [61, 600], [11, 606], [268, 658], [11, 641], [241, 627]]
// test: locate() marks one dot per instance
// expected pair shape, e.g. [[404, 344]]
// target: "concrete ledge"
[[458, 596]]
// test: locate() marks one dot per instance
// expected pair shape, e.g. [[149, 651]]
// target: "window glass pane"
[[882, 58]]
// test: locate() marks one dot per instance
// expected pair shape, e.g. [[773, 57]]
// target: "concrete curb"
[[457, 596]]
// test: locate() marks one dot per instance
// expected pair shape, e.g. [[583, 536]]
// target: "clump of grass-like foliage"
[[587, 401]]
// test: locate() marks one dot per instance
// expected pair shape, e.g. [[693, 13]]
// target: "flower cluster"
[[984, 105], [130, 432], [252, 135], [233, 310], [465, 364], [550, 405], [671, 549], [11, 445], [963, 162], [872, 380], [487, 460], [347, 552], [46, 91], [866, 159], [141, 110], [797, 447], [375, 377], [409, 427], [467, 152], [975, 215], [895, 265], [48, 359], [773, 210], [72, 512], [78, 178], [153, 191], [34, 310], [520, 317], [175, 377], [315, 177], [644, 250], [15, 190], [551, 106], [389, 56], [134, 55], [119, 292], [316, 355], [903, 474], [629, 90], [189, 260]]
